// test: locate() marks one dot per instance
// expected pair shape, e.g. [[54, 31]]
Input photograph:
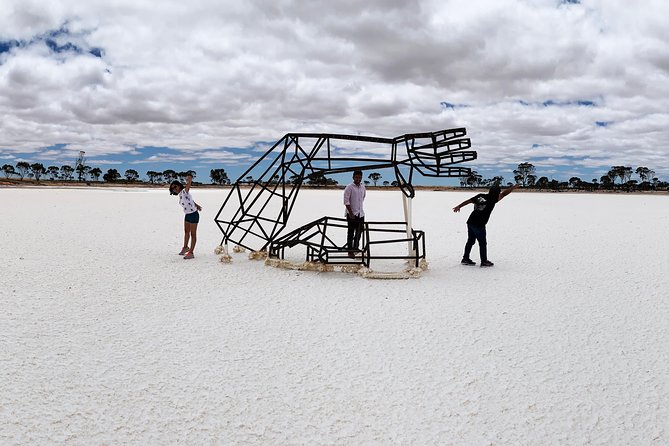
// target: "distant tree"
[[375, 177], [95, 173], [66, 172], [317, 179], [294, 179], [622, 172], [366, 183], [644, 173], [274, 179], [587, 186], [474, 179], [111, 176], [131, 175], [626, 174], [575, 182], [8, 169], [169, 175], [154, 176], [219, 176], [498, 180], [611, 175], [37, 170], [82, 171], [606, 181], [249, 179], [23, 168], [52, 171], [542, 183], [395, 183], [386, 183], [523, 173]]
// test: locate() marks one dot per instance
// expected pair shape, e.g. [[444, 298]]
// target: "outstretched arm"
[[189, 180], [464, 203], [506, 192]]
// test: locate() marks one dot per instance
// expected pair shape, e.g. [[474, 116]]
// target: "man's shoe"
[[467, 262], [189, 255], [183, 251], [487, 263]]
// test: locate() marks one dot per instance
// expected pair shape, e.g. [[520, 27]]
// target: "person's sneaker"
[[183, 251], [189, 255], [468, 262], [487, 263]]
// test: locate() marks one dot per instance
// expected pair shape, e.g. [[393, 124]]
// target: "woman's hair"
[[175, 183]]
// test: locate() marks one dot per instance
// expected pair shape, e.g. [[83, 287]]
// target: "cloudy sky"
[[572, 86]]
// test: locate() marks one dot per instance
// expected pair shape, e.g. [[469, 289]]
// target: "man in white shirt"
[[354, 196]]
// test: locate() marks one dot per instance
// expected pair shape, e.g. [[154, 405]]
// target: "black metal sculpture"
[[258, 207]]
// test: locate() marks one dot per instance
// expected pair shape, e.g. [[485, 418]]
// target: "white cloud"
[[203, 75]]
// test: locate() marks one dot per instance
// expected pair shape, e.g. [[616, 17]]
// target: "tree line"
[[618, 177], [82, 172]]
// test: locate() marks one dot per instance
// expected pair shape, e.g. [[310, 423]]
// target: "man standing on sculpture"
[[354, 196]]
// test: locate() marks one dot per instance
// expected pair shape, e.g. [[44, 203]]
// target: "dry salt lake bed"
[[108, 337]]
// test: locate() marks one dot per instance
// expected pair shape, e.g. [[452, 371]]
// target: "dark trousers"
[[355, 225], [476, 234]]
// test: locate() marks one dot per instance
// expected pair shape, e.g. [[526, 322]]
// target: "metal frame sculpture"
[[257, 210]]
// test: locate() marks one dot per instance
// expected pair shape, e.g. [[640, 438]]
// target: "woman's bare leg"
[[193, 236], [187, 232]]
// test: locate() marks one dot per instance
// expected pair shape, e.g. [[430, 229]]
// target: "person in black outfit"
[[483, 206]]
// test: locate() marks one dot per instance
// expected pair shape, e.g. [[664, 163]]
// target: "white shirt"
[[354, 196], [187, 202]]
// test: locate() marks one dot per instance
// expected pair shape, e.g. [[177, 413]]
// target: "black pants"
[[355, 225], [474, 234]]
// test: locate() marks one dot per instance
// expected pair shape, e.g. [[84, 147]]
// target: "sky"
[[573, 87]]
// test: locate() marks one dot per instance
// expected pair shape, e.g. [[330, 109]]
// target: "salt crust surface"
[[108, 337]]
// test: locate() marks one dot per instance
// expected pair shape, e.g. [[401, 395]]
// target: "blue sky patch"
[[51, 39], [557, 103], [450, 106], [53, 46], [576, 103], [7, 45]]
